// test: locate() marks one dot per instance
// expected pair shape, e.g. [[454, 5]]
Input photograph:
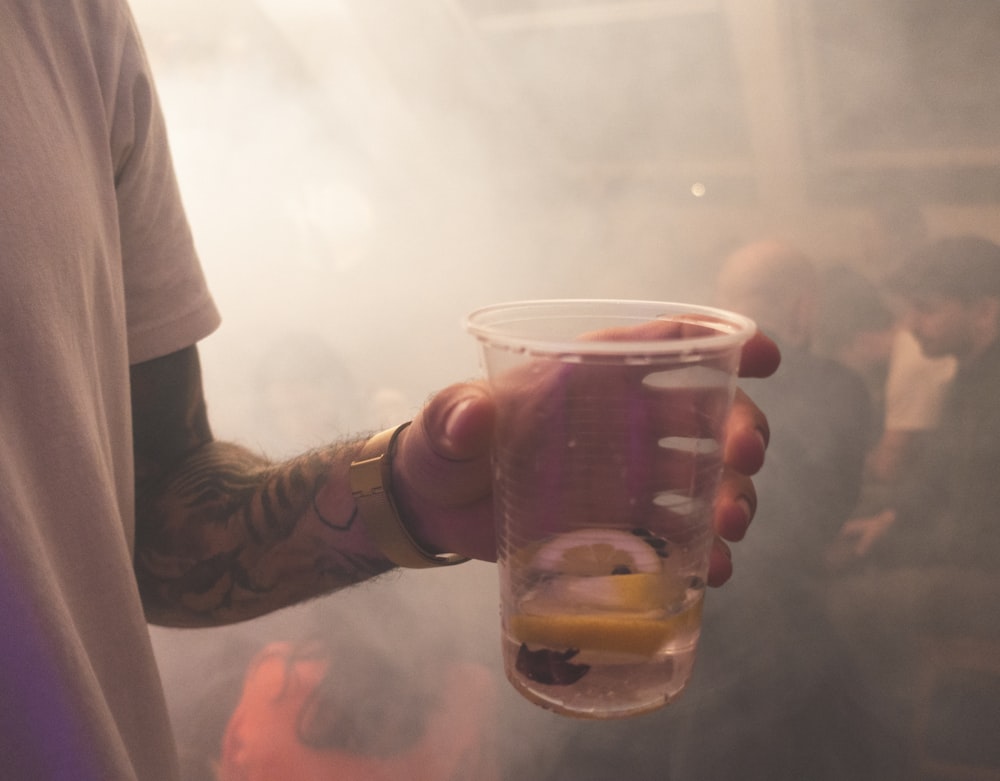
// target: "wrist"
[[371, 477]]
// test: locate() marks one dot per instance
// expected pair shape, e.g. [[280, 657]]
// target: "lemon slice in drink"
[[632, 633], [596, 552], [638, 634], [637, 592]]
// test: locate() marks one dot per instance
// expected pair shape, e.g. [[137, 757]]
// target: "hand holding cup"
[[610, 437]]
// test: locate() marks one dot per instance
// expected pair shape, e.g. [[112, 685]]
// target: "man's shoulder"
[[821, 376]]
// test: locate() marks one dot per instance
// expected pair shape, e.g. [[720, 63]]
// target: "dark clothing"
[[948, 511], [932, 579], [768, 650], [822, 425], [770, 695], [970, 439]]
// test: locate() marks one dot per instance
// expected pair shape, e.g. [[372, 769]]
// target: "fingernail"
[[747, 506], [452, 422]]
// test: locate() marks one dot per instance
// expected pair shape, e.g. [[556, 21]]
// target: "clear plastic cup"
[[607, 458]]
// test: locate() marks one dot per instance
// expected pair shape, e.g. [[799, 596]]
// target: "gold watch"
[[371, 487]]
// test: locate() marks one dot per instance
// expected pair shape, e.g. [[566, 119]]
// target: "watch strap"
[[371, 487]]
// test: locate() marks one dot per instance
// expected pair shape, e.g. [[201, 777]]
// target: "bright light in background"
[[698, 190]]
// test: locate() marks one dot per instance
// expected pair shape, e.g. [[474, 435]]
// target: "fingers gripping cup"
[[607, 457]]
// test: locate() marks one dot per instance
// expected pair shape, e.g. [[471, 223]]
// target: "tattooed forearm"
[[222, 534], [231, 536]]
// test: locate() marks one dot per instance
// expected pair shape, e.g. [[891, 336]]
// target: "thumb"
[[457, 423], [442, 478]]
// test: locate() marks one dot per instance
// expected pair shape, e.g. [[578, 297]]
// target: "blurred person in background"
[[863, 326], [803, 719], [822, 416], [855, 327], [117, 505], [305, 713], [767, 649], [931, 554], [332, 703], [951, 289], [916, 382]]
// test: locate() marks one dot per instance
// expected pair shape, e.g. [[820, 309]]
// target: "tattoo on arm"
[[222, 534]]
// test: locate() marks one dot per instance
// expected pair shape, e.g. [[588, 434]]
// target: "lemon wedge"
[[641, 591], [637, 634], [622, 633], [596, 552]]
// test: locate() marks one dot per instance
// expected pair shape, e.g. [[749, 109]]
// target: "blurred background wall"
[[369, 171]]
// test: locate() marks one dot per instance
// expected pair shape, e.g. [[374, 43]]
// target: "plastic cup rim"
[[742, 328]]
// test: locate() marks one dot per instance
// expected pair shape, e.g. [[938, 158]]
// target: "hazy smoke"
[[359, 175]]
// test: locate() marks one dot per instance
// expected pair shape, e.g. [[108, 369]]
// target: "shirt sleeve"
[[167, 302]]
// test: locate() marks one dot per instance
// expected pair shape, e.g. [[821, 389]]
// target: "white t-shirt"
[[916, 385], [97, 271]]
